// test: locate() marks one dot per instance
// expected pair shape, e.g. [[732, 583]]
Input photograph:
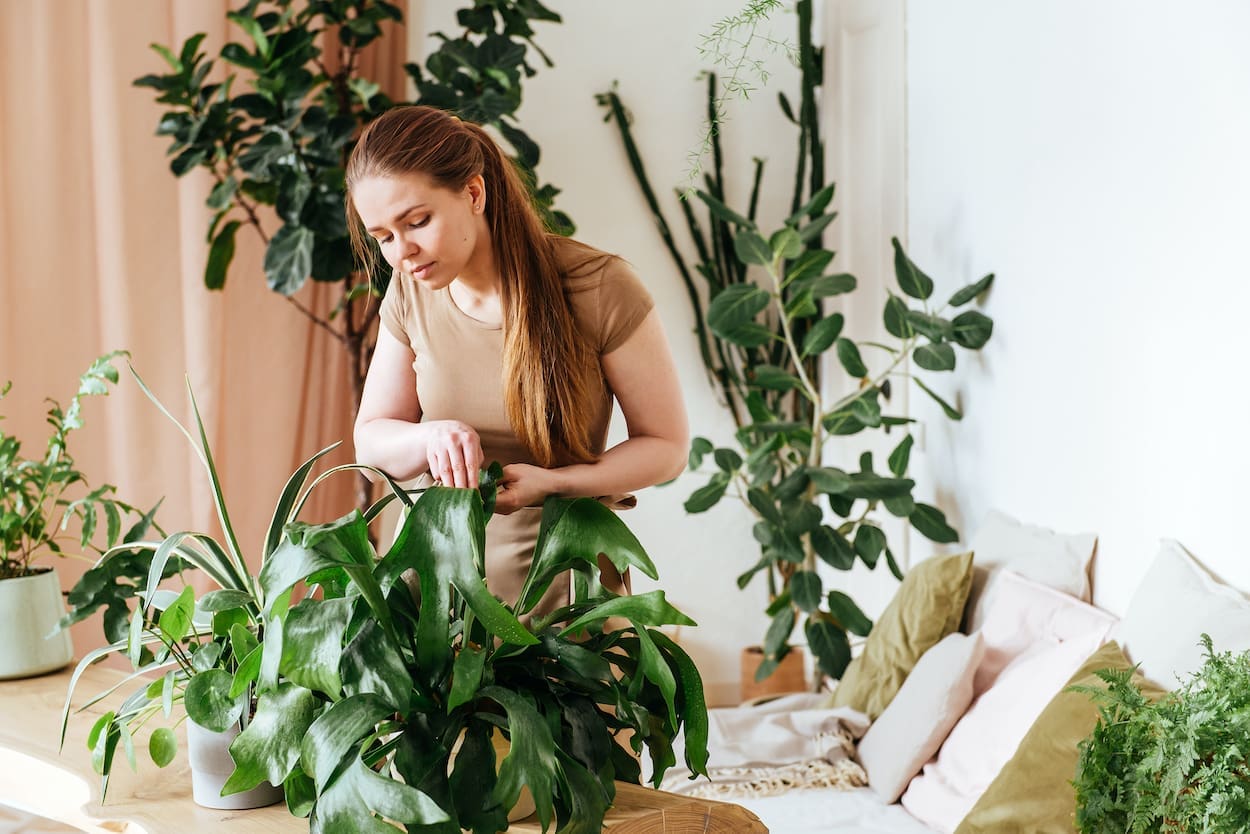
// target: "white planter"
[[211, 766], [30, 608]]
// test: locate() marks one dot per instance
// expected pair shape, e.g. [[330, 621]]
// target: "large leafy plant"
[[1179, 764], [361, 693], [769, 322], [41, 497], [283, 142]]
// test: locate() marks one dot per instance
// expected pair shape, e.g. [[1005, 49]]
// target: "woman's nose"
[[408, 248]]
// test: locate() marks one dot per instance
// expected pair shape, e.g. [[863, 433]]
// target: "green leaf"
[[931, 523], [806, 588], [175, 620], [972, 329], [269, 748], [935, 357], [735, 306], [844, 609], [750, 335], [312, 644], [869, 542], [778, 634], [723, 212], [208, 702], [833, 548], [872, 487], [773, 378], [163, 746], [372, 662], [829, 646], [247, 673], [814, 229], [466, 676], [866, 408], [335, 734], [808, 265], [763, 505], [286, 502], [650, 609], [728, 460], [693, 704], [752, 249], [821, 199], [900, 457], [786, 244], [831, 285], [848, 355], [531, 760], [220, 254], [935, 327], [288, 260], [699, 448], [946, 408], [894, 568], [822, 335], [801, 305], [900, 506], [652, 665], [896, 319], [358, 793], [223, 599], [970, 292], [706, 497], [223, 194], [911, 280], [573, 533], [829, 480]]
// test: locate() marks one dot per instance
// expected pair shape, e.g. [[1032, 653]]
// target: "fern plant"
[[1179, 764]]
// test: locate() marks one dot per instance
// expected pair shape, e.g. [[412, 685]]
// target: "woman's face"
[[429, 232]]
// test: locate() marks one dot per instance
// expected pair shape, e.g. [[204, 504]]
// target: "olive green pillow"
[[1033, 792], [928, 605]]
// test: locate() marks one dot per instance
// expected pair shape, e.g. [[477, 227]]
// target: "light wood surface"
[[62, 787]]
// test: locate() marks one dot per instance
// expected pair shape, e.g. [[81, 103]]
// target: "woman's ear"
[[476, 191]]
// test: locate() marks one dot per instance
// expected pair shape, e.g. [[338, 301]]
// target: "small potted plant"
[[1178, 765], [39, 499]]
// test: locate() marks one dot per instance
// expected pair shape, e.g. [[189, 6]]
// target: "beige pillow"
[[1033, 791], [914, 725], [928, 605]]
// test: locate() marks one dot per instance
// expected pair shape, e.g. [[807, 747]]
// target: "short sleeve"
[[623, 303], [395, 309]]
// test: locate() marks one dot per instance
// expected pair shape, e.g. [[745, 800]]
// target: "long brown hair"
[[551, 376]]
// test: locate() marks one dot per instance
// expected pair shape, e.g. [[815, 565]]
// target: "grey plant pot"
[[211, 766], [30, 608]]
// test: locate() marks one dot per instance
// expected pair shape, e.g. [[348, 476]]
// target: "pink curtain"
[[101, 248]]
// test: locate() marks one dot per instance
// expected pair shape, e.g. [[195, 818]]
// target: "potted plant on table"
[[372, 705], [39, 499]]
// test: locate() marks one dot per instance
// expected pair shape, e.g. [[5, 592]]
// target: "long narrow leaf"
[[282, 512]]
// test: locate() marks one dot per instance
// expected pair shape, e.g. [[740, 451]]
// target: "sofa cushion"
[[914, 725], [928, 606], [1020, 614], [1033, 792], [1056, 560], [987, 735], [1176, 603]]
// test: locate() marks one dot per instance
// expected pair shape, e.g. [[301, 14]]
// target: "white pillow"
[[1056, 560], [914, 725], [1175, 604], [988, 734]]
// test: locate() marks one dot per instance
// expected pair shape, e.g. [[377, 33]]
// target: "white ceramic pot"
[[211, 766], [30, 608]]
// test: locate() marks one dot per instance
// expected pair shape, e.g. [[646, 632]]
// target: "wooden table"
[[62, 787]]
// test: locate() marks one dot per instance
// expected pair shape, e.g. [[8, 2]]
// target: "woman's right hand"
[[454, 452]]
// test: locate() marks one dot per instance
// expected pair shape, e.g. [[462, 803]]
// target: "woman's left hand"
[[523, 485]]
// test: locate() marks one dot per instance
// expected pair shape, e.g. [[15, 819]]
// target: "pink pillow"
[[988, 734], [1019, 614], [912, 728]]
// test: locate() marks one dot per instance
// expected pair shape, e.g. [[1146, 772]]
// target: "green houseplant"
[[39, 499], [282, 143], [1178, 765], [362, 693], [763, 338]]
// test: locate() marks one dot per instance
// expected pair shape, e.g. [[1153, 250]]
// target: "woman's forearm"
[[636, 463], [397, 447]]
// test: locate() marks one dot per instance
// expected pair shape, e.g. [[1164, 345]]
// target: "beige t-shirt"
[[459, 373]]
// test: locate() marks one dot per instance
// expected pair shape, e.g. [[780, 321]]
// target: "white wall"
[[1094, 156], [650, 46]]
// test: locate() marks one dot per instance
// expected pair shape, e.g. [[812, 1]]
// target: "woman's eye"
[[382, 241], [417, 224]]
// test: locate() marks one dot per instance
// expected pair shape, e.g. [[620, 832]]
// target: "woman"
[[500, 341]]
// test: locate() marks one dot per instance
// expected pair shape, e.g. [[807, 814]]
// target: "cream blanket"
[[795, 741]]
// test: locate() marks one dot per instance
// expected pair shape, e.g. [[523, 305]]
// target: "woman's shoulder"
[[583, 266], [607, 296]]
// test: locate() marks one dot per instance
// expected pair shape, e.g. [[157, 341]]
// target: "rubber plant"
[[765, 325], [283, 142], [362, 693]]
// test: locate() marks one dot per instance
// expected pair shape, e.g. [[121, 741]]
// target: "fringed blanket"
[[792, 742]]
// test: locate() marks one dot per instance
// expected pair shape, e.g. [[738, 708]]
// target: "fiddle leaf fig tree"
[[273, 120]]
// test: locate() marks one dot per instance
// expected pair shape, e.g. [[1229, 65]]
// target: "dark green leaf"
[[808, 265], [728, 460], [873, 487], [829, 646], [775, 379], [650, 609], [208, 700], [830, 285], [946, 408], [335, 734], [752, 249], [778, 633], [900, 457], [970, 292], [223, 599], [750, 335], [763, 505], [931, 523], [844, 609], [372, 662], [935, 357], [734, 307], [822, 335], [269, 748], [723, 212], [706, 497], [806, 588], [869, 542], [894, 568], [175, 620], [896, 321], [829, 480], [531, 759], [934, 327], [699, 447], [288, 260], [312, 644], [801, 305], [911, 280], [833, 548], [972, 329], [466, 676], [900, 506], [848, 355], [785, 243]]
